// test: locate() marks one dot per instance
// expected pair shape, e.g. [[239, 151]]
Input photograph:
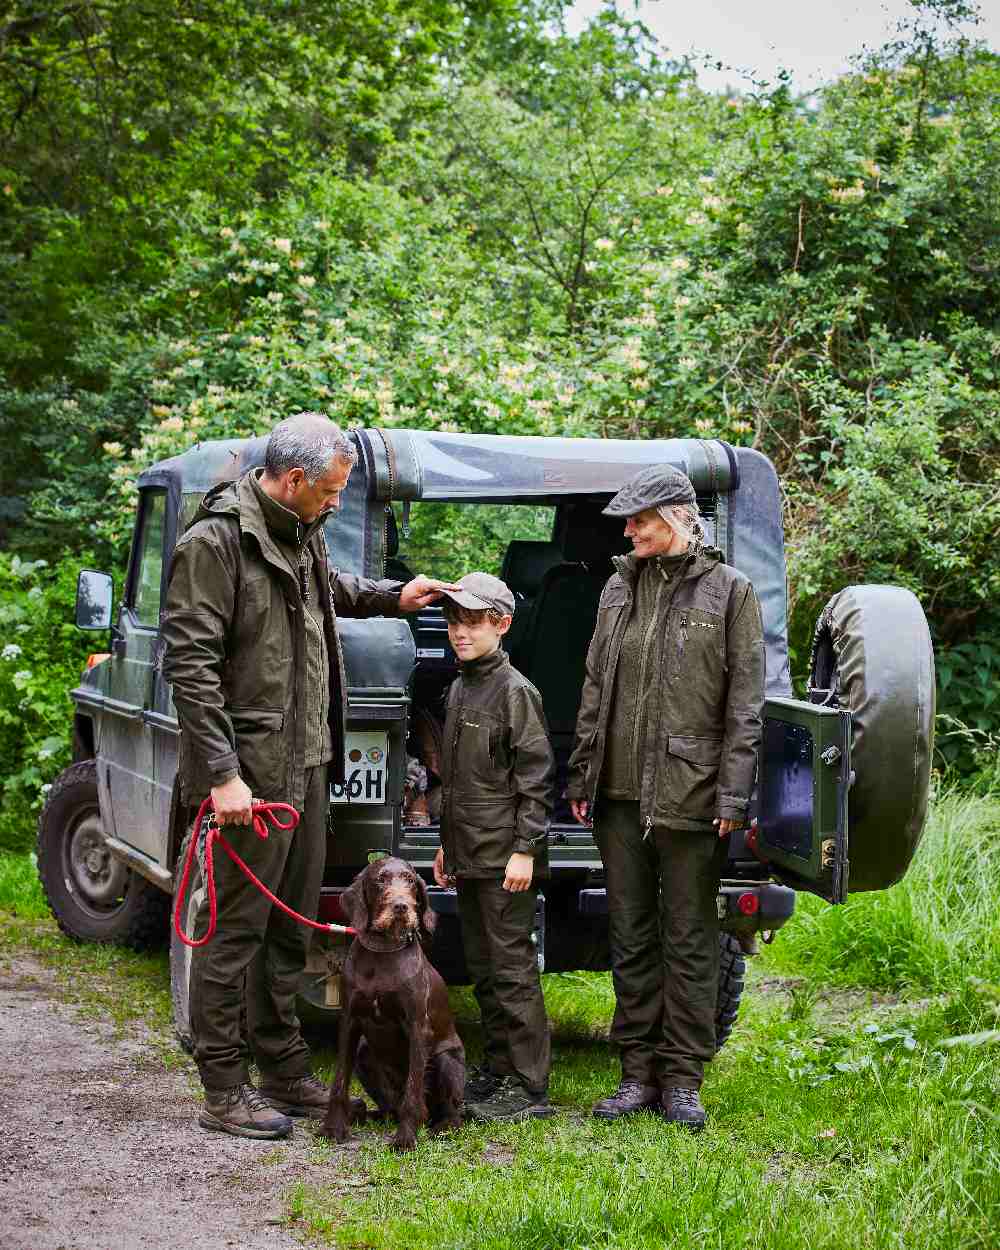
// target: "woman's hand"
[[725, 826], [440, 876], [580, 809]]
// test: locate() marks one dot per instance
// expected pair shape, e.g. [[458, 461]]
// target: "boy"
[[496, 771]]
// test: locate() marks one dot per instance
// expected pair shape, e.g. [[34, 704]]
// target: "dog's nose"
[[399, 907]]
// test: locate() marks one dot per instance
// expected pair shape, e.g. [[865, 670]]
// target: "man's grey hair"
[[684, 520], [307, 441]]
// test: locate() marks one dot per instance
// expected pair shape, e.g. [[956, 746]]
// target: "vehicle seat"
[[524, 567], [562, 621]]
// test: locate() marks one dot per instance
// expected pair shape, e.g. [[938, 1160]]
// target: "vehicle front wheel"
[[93, 896], [180, 953]]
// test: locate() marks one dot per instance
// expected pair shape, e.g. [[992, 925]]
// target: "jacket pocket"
[[261, 748], [691, 776], [483, 831], [476, 755]]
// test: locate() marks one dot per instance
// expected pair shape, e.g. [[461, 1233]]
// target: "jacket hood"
[[239, 499]]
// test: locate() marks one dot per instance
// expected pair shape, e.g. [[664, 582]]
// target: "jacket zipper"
[[643, 692]]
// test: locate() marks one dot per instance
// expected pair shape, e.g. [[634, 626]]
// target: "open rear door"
[[805, 777]]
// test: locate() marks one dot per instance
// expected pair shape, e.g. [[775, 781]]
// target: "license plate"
[[366, 759]]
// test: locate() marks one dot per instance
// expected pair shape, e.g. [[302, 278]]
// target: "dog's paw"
[[445, 1126], [403, 1142], [335, 1130], [359, 1111]]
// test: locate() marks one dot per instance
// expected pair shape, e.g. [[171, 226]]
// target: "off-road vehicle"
[[843, 775]]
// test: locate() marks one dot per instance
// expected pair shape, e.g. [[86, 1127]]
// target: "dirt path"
[[100, 1148]]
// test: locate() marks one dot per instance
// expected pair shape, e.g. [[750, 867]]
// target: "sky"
[[814, 39]]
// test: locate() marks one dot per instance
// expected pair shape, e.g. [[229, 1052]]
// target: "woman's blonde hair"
[[684, 520]]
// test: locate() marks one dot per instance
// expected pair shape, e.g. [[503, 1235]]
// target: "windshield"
[[447, 540]]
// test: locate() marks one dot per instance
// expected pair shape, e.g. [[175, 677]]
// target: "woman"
[[666, 742]]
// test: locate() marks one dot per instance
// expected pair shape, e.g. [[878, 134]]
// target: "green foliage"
[[42, 654]]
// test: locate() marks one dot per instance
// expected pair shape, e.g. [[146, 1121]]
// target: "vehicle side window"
[[146, 593]]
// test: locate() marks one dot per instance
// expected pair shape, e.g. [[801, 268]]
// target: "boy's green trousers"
[[503, 963]]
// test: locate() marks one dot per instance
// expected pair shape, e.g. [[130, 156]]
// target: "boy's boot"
[[683, 1106], [511, 1101], [480, 1083], [241, 1111], [628, 1098], [302, 1095]]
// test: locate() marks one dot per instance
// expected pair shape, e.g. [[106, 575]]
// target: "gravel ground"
[[100, 1147]]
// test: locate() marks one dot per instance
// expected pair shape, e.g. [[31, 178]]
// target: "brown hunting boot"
[[242, 1112], [300, 1096], [628, 1098], [683, 1106]]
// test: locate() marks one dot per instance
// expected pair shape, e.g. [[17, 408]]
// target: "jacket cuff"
[[388, 597], [223, 768], [525, 846], [576, 787], [731, 807]]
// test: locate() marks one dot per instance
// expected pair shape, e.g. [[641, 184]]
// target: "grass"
[[840, 1119]]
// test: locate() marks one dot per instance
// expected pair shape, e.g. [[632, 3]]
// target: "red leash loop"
[[213, 835]]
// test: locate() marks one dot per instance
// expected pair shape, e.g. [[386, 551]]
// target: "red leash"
[[214, 834]]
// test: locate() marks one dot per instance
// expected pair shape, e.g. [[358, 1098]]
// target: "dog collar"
[[383, 946]]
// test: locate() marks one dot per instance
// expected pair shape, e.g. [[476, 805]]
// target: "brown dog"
[[397, 1027]]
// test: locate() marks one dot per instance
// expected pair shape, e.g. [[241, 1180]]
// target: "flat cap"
[[482, 590], [651, 488]]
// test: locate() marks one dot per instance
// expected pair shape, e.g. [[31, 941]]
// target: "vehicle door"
[[802, 796], [126, 773]]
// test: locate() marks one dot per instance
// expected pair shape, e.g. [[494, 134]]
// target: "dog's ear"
[[354, 901], [426, 914]]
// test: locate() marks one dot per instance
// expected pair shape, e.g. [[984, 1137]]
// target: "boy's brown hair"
[[455, 613]]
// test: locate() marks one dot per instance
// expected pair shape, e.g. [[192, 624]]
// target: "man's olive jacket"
[[704, 670], [235, 648], [496, 770]]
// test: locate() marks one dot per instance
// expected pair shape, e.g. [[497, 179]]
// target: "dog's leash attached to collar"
[[213, 835]]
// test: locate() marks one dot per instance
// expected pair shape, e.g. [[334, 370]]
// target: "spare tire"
[[872, 656]]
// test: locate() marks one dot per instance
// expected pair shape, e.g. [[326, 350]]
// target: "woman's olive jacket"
[[496, 770], [704, 727], [235, 648]]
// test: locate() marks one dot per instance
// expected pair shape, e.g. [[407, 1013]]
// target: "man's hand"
[[233, 802], [580, 809], [725, 826], [440, 876], [422, 591], [519, 870]]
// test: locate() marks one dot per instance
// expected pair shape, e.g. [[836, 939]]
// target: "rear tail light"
[[748, 904], [97, 658]]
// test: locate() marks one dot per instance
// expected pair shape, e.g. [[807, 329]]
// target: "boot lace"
[[253, 1098]]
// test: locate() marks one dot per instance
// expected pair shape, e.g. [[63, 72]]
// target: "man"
[[258, 681]]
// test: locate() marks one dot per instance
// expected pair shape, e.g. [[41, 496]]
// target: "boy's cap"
[[652, 488], [480, 591]]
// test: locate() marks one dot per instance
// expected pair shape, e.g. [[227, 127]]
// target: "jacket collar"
[[479, 670], [695, 563], [239, 499], [282, 524]]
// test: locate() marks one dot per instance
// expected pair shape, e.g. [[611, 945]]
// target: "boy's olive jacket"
[[704, 671], [235, 647], [497, 769]]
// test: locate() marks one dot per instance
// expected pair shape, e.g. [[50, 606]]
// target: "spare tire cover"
[[873, 648]]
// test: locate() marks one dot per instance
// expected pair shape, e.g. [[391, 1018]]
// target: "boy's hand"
[[440, 876], [519, 870], [581, 811]]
